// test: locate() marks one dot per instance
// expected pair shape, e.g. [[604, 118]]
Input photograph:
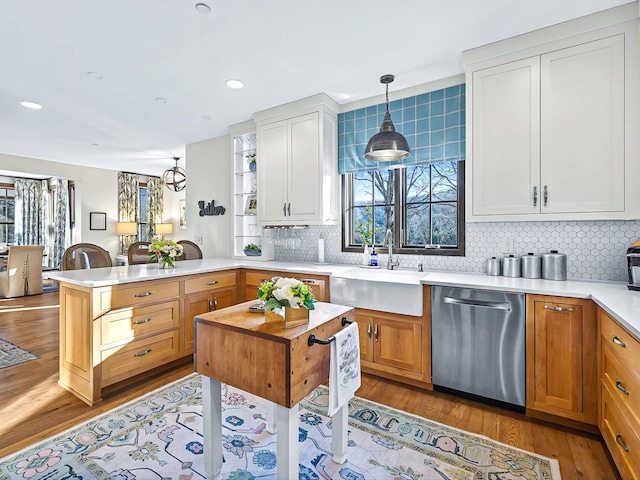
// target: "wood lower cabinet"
[[619, 416], [206, 293], [561, 359], [253, 278], [396, 346]]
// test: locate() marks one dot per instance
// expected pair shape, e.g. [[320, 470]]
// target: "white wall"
[[209, 178], [96, 191]]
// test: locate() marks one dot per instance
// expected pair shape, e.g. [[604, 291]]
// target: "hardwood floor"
[[34, 407]]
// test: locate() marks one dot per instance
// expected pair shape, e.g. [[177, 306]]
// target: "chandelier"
[[175, 178]]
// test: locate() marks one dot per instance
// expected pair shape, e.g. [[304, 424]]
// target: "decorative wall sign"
[[210, 209]]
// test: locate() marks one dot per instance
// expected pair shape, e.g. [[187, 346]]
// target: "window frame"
[[5, 225], [400, 212]]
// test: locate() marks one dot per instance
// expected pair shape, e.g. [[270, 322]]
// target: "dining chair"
[[139, 253], [191, 250], [85, 255], [23, 275]]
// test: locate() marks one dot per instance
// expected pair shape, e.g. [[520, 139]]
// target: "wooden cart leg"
[[339, 431], [287, 442], [212, 427]]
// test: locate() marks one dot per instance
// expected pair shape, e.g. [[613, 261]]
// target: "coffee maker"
[[633, 265]]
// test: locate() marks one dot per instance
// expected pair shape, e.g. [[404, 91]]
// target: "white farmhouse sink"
[[395, 291]]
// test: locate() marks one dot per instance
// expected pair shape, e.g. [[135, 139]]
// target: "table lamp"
[[164, 229], [125, 228]]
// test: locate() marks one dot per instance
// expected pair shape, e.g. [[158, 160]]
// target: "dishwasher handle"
[[478, 303]]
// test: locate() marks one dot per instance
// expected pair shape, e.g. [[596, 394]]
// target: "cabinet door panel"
[[272, 173], [398, 344], [582, 127], [304, 165], [506, 146], [365, 334]]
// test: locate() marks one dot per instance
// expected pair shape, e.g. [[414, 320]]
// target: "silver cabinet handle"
[[307, 281], [535, 196], [211, 305], [478, 303], [139, 354], [284, 209], [557, 309], [620, 442], [212, 282], [369, 331], [619, 342], [375, 332], [289, 209], [546, 195], [140, 322], [215, 303], [620, 387], [145, 294]]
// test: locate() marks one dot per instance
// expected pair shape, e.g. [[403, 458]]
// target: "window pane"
[[143, 205], [362, 188], [417, 184], [384, 183], [445, 181], [10, 234], [3, 209], [418, 225], [362, 225], [445, 224], [383, 220]]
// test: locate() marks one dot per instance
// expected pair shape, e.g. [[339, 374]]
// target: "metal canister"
[[511, 266], [494, 268], [531, 266], [554, 266]]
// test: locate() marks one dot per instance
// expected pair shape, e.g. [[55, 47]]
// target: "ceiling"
[[282, 50]]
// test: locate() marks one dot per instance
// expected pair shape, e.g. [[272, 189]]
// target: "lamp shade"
[[387, 145], [164, 228], [126, 228]]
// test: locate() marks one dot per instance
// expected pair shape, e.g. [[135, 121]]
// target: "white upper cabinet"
[[550, 127], [298, 174]]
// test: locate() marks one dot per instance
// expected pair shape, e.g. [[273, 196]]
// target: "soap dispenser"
[[374, 257]]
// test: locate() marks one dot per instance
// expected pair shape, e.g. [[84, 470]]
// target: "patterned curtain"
[[155, 205], [32, 212], [61, 230], [128, 203]]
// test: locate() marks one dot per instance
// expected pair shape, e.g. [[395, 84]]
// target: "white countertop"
[[620, 302]]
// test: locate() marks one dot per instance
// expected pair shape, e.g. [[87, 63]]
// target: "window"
[[143, 206], [7, 214], [422, 205]]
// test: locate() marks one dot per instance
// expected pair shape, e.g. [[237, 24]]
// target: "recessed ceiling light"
[[95, 75], [95, 144], [33, 105], [203, 8], [206, 117], [161, 100], [234, 83]]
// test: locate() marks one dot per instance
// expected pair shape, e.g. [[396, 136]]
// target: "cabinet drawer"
[[623, 345], [119, 363], [623, 443], [134, 322], [210, 282], [623, 387], [111, 299], [254, 279]]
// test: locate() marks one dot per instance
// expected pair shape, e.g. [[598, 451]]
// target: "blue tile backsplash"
[[433, 124]]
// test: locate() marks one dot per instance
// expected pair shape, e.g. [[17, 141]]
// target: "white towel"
[[344, 371]]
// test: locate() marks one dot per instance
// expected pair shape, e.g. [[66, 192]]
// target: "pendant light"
[[387, 145], [175, 178]]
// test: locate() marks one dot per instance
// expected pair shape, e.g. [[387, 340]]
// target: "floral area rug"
[[11, 354], [159, 436]]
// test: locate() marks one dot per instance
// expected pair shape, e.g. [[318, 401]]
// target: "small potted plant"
[[252, 161], [287, 301], [252, 250]]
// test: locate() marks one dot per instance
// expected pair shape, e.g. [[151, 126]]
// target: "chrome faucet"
[[388, 239]]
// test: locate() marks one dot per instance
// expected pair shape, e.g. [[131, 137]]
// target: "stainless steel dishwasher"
[[478, 344]]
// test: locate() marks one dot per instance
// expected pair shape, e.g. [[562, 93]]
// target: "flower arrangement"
[[165, 251], [282, 292]]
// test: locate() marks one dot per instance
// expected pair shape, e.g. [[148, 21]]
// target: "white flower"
[[283, 291]]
